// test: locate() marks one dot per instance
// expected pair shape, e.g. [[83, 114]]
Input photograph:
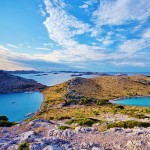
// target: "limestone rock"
[[52, 147], [27, 136]]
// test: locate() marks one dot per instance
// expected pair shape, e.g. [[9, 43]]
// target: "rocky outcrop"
[[12, 84], [44, 135]]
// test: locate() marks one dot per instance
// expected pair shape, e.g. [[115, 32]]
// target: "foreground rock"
[[11, 84], [44, 135]]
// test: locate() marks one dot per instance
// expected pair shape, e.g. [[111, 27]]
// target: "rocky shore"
[[13, 84], [42, 134]]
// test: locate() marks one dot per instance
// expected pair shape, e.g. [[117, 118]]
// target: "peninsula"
[[13, 84]]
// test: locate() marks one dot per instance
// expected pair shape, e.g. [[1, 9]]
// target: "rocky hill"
[[12, 84], [98, 88], [84, 98], [111, 87]]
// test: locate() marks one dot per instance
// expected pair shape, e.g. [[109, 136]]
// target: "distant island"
[[13, 84], [24, 72]]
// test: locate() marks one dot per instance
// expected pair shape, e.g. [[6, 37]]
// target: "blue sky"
[[88, 35]]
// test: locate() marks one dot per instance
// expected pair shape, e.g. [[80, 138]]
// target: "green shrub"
[[3, 118], [85, 100], [102, 102], [63, 127], [138, 116], [62, 117], [120, 107], [128, 124], [23, 146], [84, 121], [4, 123]]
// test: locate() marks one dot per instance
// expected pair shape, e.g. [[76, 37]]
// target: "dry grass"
[[97, 112], [111, 87], [108, 87], [54, 95]]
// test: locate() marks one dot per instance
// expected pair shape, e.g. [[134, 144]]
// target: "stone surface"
[[96, 148], [27, 136], [52, 147], [80, 138]]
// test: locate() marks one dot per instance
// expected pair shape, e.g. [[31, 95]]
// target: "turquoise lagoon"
[[16, 106], [135, 101]]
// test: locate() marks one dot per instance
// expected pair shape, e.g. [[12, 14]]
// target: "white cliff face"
[[44, 135]]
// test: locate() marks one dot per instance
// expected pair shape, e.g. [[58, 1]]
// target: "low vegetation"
[[102, 102], [4, 118], [128, 124], [23, 146], [5, 123], [64, 127], [91, 111], [84, 121], [139, 116]]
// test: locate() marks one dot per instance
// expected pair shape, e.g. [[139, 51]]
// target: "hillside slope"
[[12, 84], [110, 87], [89, 97], [106, 88]]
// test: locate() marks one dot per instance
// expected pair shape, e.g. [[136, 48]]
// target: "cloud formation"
[[63, 27], [117, 12], [102, 32]]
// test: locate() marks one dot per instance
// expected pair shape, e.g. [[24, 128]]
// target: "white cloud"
[[48, 44], [106, 40], [42, 48], [60, 3], [90, 2], [84, 6], [147, 34], [129, 63], [62, 27], [43, 13], [12, 45], [3, 48], [134, 45], [117, 12], [7, 64]]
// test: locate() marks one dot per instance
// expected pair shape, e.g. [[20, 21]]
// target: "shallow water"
[[24, 103], [135, 101]]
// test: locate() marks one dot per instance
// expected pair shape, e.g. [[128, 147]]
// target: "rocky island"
[[13, 84]]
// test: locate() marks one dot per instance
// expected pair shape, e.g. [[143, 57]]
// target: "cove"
[[16, 106], [134, 101]]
